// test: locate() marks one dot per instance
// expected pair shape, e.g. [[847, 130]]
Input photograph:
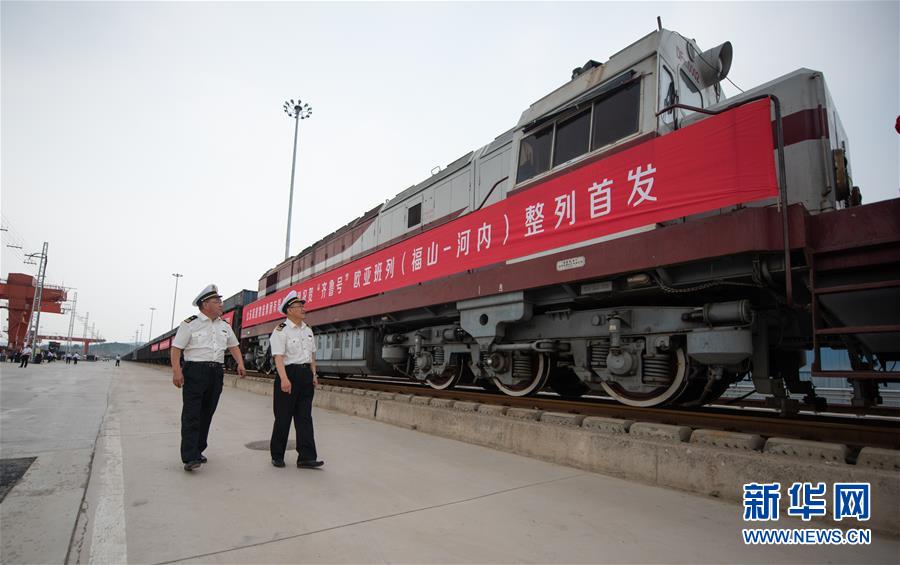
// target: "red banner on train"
[[721, 161], [229, 317]]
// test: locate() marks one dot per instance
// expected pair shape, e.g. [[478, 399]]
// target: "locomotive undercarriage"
[[672, 336], [635, 338], [641, 356]]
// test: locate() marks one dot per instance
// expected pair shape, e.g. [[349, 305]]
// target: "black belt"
[[205, 363], [299, 365]]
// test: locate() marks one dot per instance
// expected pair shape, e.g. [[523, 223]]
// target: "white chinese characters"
[[642, 185], [534, 219], [565, 209]]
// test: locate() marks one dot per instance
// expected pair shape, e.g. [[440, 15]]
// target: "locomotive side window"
[[414, 215], [616, 116], [572, 138], [534, 154]]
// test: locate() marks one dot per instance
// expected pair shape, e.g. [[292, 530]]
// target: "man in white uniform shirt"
[[294, 349], [26, 355], [203, 338]]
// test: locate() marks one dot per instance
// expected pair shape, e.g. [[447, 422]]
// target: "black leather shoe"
[[191, 465], [203, 459], [278, 462], [309, 464]]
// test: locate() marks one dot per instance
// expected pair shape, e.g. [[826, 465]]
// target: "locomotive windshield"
[[610, 118]]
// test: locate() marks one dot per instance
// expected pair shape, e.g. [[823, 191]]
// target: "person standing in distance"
[[26, 355], [203, 338], [294, 349]]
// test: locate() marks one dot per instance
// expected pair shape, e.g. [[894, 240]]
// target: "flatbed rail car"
[[635, 233]]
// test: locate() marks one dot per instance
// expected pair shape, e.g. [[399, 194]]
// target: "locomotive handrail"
[[694, 109], [491, 191], [782, 181]]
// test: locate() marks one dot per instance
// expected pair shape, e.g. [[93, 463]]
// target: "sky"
[[145, 139]]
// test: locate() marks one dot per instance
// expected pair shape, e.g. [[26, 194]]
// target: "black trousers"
[[200, 396], [296, 406], [24, 362]]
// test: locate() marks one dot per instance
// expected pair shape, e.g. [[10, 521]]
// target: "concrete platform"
[[386, 494]]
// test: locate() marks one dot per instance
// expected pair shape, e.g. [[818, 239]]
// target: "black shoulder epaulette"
[[189, 320], [280, 327]]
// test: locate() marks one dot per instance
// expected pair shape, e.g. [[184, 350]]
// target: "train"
[[636, 234]]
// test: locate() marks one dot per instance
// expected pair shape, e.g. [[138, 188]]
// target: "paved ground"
[[52, 412], [385, 495]]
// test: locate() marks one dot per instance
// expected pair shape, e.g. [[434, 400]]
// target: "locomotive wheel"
[[661, 395], [540, 370], [564, 382], [448, 379]]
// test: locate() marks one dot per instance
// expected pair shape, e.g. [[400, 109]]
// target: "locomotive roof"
[[444, 173], [590, 82], [338, 232]]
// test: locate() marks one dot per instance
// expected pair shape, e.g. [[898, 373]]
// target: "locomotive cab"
[[641, 92]]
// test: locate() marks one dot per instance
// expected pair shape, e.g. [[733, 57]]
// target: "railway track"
[[872, 430]]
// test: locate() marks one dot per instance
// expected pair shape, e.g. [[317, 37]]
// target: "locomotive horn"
[[715, 63]]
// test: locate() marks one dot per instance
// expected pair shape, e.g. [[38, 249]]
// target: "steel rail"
[[857, 432]]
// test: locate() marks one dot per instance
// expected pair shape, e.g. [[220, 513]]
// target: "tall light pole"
[[298, 111], [150, 331], [174, 300], [141, 334]]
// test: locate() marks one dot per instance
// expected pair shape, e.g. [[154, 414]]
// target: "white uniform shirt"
[[295, 342], [203, 339]]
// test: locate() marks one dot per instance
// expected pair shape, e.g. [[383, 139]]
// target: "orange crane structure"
[[86, 340], [19, 289]]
